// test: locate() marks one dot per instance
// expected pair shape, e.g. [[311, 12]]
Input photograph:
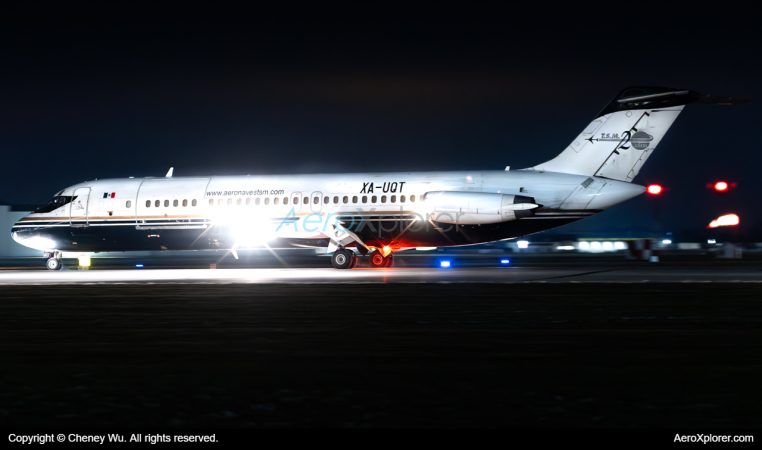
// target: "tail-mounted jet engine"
[[477, 208]]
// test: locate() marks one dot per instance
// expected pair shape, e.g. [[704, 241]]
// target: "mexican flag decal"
[[107, 195]]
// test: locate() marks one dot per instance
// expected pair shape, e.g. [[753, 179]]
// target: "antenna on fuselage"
[[169, 174]]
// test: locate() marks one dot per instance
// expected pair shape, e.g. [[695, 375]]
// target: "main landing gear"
[[378, 260], [54, 261], [347, 259]]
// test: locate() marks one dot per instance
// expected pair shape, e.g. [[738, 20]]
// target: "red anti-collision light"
[[654, 189], [720, 186]]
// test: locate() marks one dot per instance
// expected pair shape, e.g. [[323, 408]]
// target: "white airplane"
[[374, 214]]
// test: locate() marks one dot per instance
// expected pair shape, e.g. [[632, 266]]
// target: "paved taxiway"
[[552, 273]]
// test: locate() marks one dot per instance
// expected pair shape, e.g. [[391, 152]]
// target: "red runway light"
[[654, 189], [720, 186]]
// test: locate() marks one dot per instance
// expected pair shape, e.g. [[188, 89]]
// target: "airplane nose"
[[614, 193]]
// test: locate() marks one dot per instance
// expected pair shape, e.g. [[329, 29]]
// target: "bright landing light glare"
[[444, 264]]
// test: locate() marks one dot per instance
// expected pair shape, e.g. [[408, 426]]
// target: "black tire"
[[54, 264], [377, 259], [355, 260], [389, 260], [341, 259]]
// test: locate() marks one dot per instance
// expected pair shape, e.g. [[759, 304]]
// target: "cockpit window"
[[55, 203]]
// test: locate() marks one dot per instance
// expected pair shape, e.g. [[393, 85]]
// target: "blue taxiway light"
[[444, 264], [138, 265], [505, 261]]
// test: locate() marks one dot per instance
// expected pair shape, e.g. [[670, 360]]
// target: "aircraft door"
[[78, 208], [316, 201]]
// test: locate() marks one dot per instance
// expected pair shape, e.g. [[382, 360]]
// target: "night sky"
[[90, 94]]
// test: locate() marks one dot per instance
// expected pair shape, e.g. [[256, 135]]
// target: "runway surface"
[[651, 355], [583, 272]]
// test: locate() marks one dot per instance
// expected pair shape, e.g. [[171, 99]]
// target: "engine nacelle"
[[477, 208]]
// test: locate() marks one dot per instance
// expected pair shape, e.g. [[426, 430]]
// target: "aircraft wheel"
[[389, 260], [377, 259], [341, 259], [54, 264], [355, 260]]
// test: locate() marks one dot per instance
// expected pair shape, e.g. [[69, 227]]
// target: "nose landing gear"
[[54, 262]]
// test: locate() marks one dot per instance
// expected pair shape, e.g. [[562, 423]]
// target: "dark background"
[[132, 90]]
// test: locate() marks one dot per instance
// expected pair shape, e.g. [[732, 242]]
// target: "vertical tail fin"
[[620, 139]]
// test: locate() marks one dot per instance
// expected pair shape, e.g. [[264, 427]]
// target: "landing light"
[[666, 241], [505, 261], [84, 260], [139, 265], [444, 264], [711, 241], [523, 244]]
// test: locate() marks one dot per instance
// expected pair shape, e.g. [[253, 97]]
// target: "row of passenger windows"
[[157, 203], [315, 200]]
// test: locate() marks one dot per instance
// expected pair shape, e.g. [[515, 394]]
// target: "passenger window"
[[230, 201], [336, 200], [276, 200], [257, 201], [211, 202], [248, 201], [394, 199], [175, 203], [316, 200], [346, 199], [306, 201], [373, 199], [412, 198], [365, 199], [157, 203], [383, 199], [185, 202], [421, 197], [238, 202], [285, 200], [129, 203], [193, 203], [402, 199], [166, 203], [326, 199], [354, 199], [267, 201], [219, 202], [148, 203]]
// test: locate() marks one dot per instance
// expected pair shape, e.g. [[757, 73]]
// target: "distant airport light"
[[711, 241], [565, 247], [725, 221], [654, 189], [505, 261], [666, 241], [584, 245], [84, 260], [720, 186], [619, 245], [595, 245], [444, 264], [139, 265], [523, 244]]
